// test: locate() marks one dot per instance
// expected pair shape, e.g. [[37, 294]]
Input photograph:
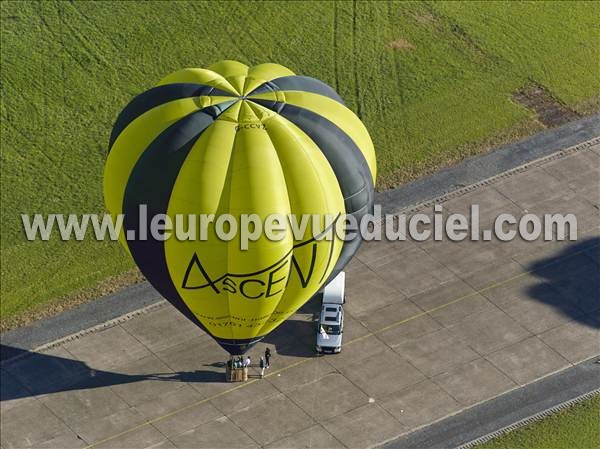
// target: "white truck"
[[331, 320]]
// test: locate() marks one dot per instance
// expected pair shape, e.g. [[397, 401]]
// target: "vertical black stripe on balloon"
[[346, 160], [150, 183], [155, 97], [298, 83], [348, 163]]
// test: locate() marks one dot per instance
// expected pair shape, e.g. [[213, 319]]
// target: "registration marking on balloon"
[[265, 278], [298, 266]]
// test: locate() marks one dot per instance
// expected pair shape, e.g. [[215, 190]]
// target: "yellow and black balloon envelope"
[[233, 139]]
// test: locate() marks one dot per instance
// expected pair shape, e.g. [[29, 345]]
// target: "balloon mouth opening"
[[234, 348]]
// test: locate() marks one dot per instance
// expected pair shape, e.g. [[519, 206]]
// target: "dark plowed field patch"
[[550, 112]]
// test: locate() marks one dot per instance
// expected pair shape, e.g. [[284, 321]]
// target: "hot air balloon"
[[233, 139]]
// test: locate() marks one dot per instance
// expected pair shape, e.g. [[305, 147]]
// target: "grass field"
[[432, 81], [575, 428]]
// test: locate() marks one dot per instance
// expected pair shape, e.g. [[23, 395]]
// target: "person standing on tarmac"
[[262, 366], [268, 358]]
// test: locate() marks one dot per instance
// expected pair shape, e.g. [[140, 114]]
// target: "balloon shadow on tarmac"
[[570, 281], [27, 373], [296, 337], [34, 374]]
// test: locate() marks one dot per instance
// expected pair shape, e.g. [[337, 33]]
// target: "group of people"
[[241, 362]]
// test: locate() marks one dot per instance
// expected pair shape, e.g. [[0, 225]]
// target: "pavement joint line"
[[469, 295], [77, 335], [510, 390], [195, 404], [529, 420], [168, 415], [302, 361], [560, 154]]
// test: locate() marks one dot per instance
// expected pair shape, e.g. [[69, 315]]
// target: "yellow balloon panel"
[[261, 170]]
